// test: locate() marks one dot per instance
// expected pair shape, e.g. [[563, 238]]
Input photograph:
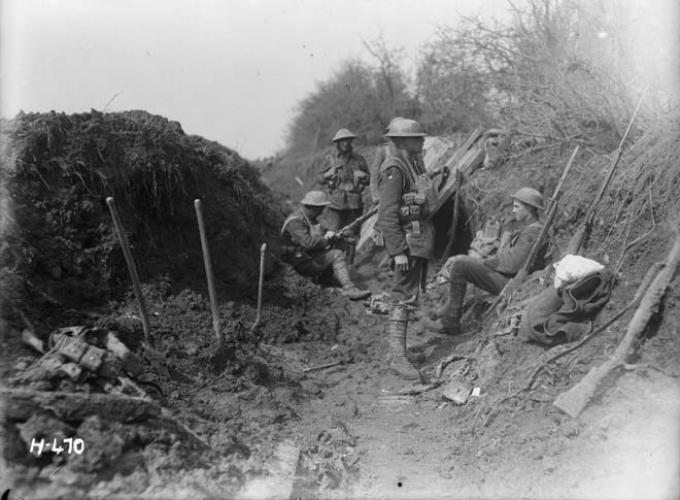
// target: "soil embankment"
[[233, 421]]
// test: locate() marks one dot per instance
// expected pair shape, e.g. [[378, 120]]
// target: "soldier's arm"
[[513, 257], [303, 237], [375, 174], [391, 186], [326, 171]]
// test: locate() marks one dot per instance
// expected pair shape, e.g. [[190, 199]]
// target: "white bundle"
[[574, 267]]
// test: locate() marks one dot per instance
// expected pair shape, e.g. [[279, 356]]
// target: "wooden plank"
[[20, 404]]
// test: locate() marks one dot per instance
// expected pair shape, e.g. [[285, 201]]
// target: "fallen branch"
[[415, 389], [437, 373], [575, 399]]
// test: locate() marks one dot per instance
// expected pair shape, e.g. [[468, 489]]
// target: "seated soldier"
[[309, 251], [491, 274]]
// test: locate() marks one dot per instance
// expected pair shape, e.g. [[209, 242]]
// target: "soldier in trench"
[[492, 274], [309, 249], [407, 199], [344, 176]]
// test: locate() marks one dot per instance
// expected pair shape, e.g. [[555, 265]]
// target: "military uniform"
[[344, 187], [406, 199], [397, 178], [490, 274], [306, 248], [310, 253]]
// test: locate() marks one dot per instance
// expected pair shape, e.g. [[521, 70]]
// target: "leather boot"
[[349, 289], [399, 363], [446, 325], [449, 314]]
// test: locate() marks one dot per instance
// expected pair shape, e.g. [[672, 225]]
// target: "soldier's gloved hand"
[[329, 174], [401, 262], [330, 235]]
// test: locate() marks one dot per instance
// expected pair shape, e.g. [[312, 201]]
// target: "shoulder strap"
[[406, 170], [295, 215]]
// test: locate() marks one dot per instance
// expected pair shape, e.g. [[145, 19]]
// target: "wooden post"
[[131, 266], [574, 400], [454, 216], [208, 272], [263, 249]]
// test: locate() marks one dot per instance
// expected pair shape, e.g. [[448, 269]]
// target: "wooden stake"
[[454, 217], [131, 266], [263, 249], [208, 272]]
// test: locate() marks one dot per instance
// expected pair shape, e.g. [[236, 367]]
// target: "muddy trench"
[[302, 403]]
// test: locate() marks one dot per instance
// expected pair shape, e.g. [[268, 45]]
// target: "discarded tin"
[[377, 305], [457, 389], [70, 347], [93, 358], [72, 370]]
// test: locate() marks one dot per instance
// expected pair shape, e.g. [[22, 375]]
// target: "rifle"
[[501, 301], [349, 228], [579, 237]]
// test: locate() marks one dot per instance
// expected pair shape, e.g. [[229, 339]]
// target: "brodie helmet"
[[529, 196]]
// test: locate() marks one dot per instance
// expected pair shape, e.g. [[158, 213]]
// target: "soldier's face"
[[344, 145], [520, 211], [313, 211], [414, 144]]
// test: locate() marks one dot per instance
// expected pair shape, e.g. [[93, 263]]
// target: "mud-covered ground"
[[348, 431], [264, 415]]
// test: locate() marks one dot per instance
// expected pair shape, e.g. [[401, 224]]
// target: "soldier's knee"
[[336, 255], [456, 264]]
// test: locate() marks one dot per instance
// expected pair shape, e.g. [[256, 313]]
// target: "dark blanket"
[[559, 316]]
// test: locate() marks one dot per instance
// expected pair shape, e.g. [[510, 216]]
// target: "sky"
[[231, 71]]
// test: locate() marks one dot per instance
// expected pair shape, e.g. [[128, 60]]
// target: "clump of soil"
[[59, 245]]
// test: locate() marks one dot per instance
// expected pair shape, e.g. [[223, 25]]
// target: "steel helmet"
[[392, 123], [529, 196], [343, 133], [316, 199], [405, 127]]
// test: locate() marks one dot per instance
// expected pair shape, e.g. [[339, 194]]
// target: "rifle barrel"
[[581, 234]]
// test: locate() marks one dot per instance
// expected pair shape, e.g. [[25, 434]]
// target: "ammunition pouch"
[[293, 254], [413, 212]]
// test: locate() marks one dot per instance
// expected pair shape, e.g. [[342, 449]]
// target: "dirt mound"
[[59, 245]]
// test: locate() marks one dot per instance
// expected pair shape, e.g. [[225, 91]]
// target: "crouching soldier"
[[407, 199], [492, 274], [310, 251]]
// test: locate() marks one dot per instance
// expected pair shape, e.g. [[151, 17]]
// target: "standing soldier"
[[309, 250], [492, 274], [344, 175], [407, 199]]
